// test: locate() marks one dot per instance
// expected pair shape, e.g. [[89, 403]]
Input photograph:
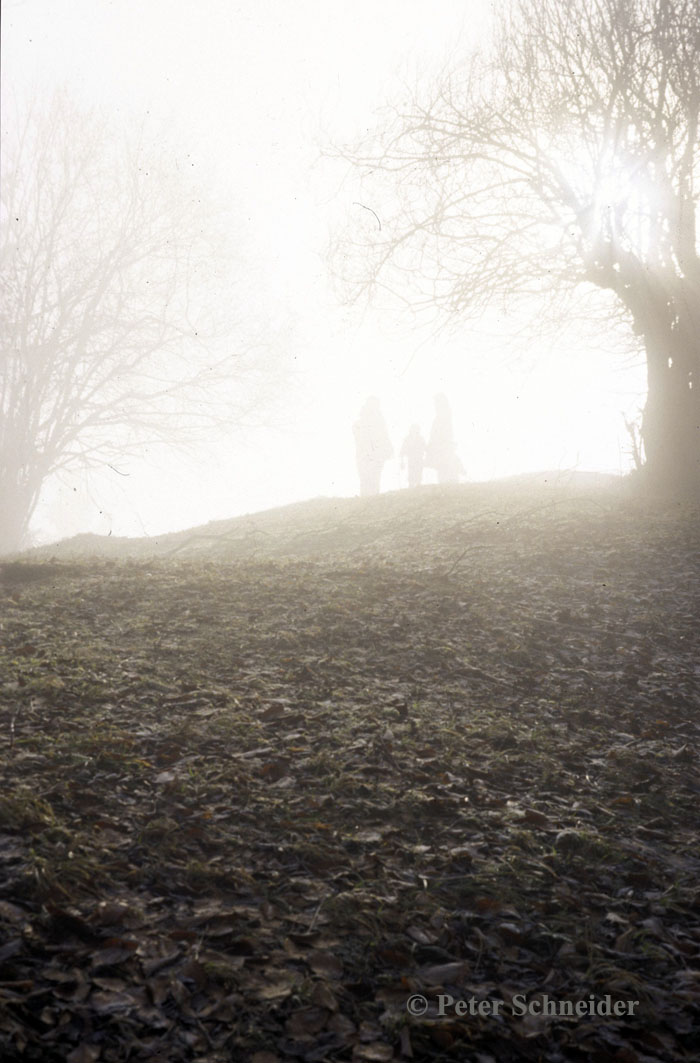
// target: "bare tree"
[[119, 316], [562, 159]]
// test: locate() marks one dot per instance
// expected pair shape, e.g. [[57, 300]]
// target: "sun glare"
[[617, 200]]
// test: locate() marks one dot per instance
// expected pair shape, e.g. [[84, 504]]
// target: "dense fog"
[[245, 110]]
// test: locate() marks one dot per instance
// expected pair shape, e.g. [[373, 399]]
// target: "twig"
[[12, 725], [312, 924]]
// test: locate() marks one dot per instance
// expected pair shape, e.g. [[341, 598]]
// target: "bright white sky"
[[250, 91]]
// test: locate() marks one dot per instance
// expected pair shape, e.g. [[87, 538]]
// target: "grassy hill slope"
[[264, 782], [327, 526]]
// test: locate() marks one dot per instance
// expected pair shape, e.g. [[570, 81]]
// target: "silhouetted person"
[[441, 453], [372, 446], [413, 455]]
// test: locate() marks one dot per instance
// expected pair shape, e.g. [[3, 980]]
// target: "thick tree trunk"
[[17, 504], [671, 424], [665, 308]]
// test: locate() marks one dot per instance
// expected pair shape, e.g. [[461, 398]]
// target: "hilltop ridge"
[[327, 526]]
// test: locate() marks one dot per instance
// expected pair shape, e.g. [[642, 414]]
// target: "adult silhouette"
[[441, 453], [372, 446]]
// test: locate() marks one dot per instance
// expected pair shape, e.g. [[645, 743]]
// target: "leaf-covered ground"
[[260, 791]]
